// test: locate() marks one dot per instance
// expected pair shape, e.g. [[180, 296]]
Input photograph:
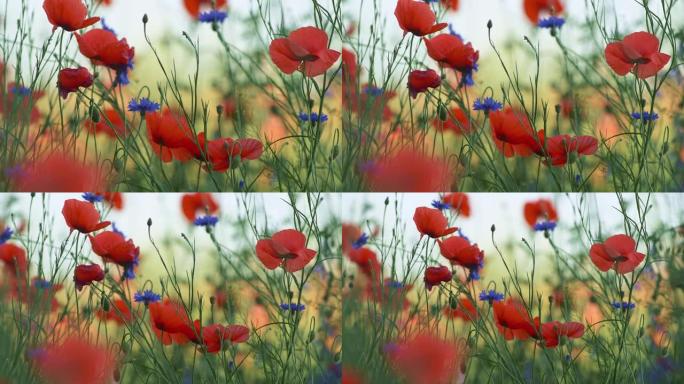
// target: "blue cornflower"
[[292, 307], [107, 27], [453, 32], [487, 105], [42, 284], [551, 22], [440, 205], [122, 73], [543, 226], [117, 230], [624, 305], [212, 16], [491, 296], [206, 221], [6, 235], [241, 184], [373, 91], [313, 117], [645, 116], [143, 105], [146, 297], [129, 269], [461, 234], [92, 197], [394, 284], [20, 90], [361, 241]]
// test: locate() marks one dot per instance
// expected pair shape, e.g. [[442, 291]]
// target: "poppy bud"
[[489, 24], [386, 201], [212, 300], [312, 336], [149, 222], [557, 107], [453, 303], [219, 109], [145, 19], [105, 304], [666, 147], [442, 111], [493, 228], [335, 151], [118, 164], [94, 114]]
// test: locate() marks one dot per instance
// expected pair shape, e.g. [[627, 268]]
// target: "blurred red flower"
[[194, 203], [193, 6], [304, 49], [456, 122], [14, 260], [286, 248], [217, 335], [58, 172], [82, 216], [409, 171], [451, 52], [427, 358], [115, 199], [417, 17], [71, 79], [87, 274], [75, 360], [70, 15], [223, 153], [419, 81], [451, 5], [563, 149], [618, 252], [552, 331], [367, 261], [458, 201], [432, 222], [534, 8], [542, 209], [436, 276], [111, 123], [465, 310], [638, 52], [119, 312]]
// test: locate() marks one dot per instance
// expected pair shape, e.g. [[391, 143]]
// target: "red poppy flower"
[[115, 199], [417, 17], [451, 5], [82, 216], [168, 133], [114, 248], [119, 312], [432, 222], [638, 52], [350, 233], [75, 360], [71, 79], [419, 81], [466, 310], [618, 252], [427, 358], [457, 122], [304, 49], [193, 6], [194, 203], [104, 48], [534, 8], [70, 15], [86, 274], [59, 172], [436, 276], [563, 149], [514, 135], [111, 123], [286, 248], [171, 323], [552, 331], [458, 201], [367, 261], [223, 153], [451, 52], [409, 171], [541, 209], [14, 260], [459, 251], [512, 320], [217, 335]]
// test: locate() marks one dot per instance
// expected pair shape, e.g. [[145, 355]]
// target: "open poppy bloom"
[[457, 122], [409, 171], [13, 258], [111, 123], [436, 276], [459, 251], [86, 274], [432, 222], [367, 261], [512, 320], [417, 17], [194, 6], [223, 153], [82, 216], [114, 248], [103, 48], [419, 81], [638, 52], [458, 201], [514, 135], [451, 52], [451, 5], [304, 49], [564, 149], [170, 322], [552, 332], [71, 79], [70, 15], [286, 248], [216, 335], [542, 209], [427, 358], [168, 133], [535, 8], [194, 203], [618, 252]]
